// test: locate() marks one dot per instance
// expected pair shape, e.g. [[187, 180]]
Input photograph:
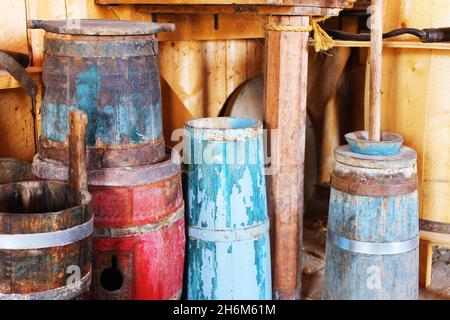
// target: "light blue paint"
[[375, 149], [349, 275], [224, 196], [134, 117]]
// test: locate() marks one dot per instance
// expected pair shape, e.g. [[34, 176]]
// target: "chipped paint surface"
[[120, 94], [226, 204], [372, 219]]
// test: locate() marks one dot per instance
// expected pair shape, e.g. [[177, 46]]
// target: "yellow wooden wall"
[[416, 100]]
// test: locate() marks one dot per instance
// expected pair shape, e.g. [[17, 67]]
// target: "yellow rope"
[[322, 41]]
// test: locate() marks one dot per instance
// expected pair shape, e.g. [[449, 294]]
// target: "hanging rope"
[[322, 41]]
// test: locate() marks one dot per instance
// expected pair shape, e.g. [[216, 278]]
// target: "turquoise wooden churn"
[[228, 246], [109, 70], [373, 227]]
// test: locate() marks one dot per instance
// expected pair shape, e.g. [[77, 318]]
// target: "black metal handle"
[[19, 73], [437, 35]]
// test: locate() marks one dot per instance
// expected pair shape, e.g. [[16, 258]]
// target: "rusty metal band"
[[372, 188], [243, 234], [432, 226], [67, 292], [115, 48], [106, 232], [373, 248], [108, 156], [47, 239], [114, 177]]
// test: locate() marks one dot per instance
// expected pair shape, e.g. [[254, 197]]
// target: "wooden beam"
[[286, 72], [317, 3], [241, 9]]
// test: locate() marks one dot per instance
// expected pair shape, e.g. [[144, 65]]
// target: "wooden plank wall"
[[16, 122], [416, 99]]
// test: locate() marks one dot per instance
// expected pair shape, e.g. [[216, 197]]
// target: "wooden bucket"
[[373, 228], [228, 246], [139, 241], [109, 70], [13, 170], [45, 245]]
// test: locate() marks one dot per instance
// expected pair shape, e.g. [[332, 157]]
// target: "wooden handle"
[[77, 156], [376, 51]]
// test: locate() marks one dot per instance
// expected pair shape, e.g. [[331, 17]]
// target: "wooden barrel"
[[45, 246], [13, 170], [373, 228], [228, 246], [109, 70], [139, 240]]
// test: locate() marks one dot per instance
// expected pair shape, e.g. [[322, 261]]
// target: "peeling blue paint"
[[126, 114], [350, 276], [227, 198]]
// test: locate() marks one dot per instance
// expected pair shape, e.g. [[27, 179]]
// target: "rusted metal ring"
[[106, 232], [67, 292], [47, 239], [372, 188], [114, 177], [373, 248], [432, 226], [107, 156], [243, 234], [100, 48]]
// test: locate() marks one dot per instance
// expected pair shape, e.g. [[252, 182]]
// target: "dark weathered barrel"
[[109, 70], [139, 242], [373, 228], [14, 170], [45, 246], [228, 247]]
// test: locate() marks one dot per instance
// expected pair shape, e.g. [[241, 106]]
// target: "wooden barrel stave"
[[228, 247], [373, 227], [43, 272]]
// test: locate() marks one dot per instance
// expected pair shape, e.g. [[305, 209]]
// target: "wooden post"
[[376, 51], [286, 71], [77, 155]]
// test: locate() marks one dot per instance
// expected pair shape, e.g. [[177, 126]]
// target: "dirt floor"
[[313, 265]]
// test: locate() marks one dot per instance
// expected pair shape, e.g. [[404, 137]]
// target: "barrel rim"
[[85, 202], [114, 177], [215, 129]]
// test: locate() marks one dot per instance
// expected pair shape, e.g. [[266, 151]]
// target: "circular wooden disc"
[[98, 27]]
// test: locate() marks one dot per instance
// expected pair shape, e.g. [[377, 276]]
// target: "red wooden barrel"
[[139, 242]]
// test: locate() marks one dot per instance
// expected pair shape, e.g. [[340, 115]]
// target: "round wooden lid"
[[100, 27]]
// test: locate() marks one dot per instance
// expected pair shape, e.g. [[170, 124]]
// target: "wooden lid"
[[100, 27], [407, 157]]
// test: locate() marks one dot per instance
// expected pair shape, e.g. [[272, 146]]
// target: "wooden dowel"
[[77, 156], [376, 50]]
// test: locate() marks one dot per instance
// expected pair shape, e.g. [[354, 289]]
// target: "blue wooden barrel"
[[228, 246], [108, 69], [373, 227]]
